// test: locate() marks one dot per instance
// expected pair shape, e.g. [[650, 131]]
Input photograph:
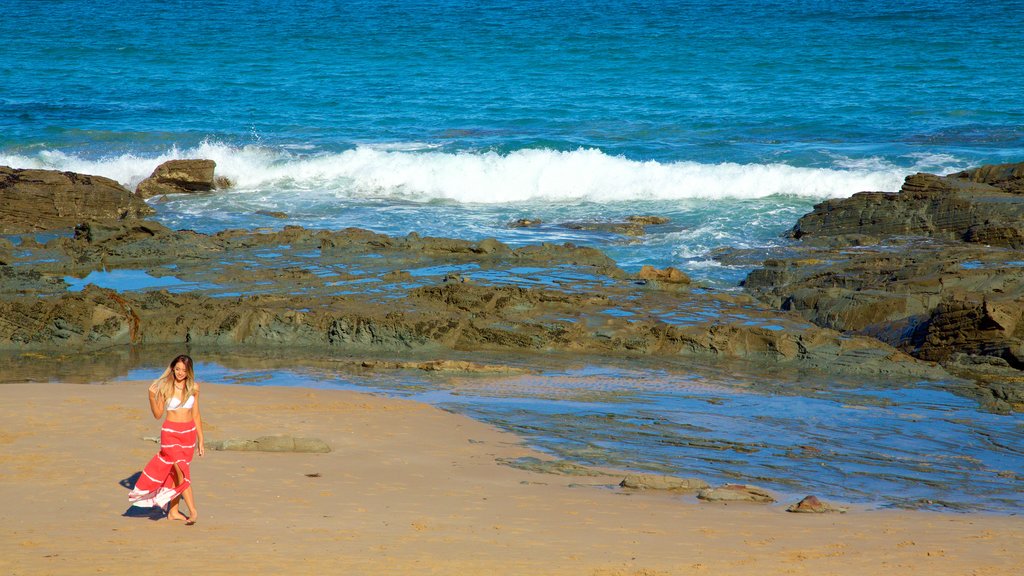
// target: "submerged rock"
[[658, 482], [525, 223], [38, 200], [559, 467], [648, 220], [178, 177]]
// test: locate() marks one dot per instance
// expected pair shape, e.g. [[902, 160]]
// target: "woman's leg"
[[193, 514], [172, 512]]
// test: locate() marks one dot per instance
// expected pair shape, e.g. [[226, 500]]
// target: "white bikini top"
[[174, 403]]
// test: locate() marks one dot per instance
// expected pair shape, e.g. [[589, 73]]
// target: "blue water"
[[731, 118], [454, 118]]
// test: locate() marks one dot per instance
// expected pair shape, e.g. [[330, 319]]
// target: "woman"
[[166, 479]]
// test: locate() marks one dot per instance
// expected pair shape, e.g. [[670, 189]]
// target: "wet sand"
[[407, 489]]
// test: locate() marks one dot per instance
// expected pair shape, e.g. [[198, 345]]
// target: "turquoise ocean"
[[453, 118]]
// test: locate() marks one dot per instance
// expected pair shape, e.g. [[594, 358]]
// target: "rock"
[[648, 220], [624, 228], [736, 493], [278, 443], [526, 223], [670, 275], [560, 467], [272, 214], [118, 231], [36, 200], [258, 288], [982, 205], [177, 177], [812, 505], [656, 482]]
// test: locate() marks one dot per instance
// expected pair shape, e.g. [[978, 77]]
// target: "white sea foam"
[[488, 177]]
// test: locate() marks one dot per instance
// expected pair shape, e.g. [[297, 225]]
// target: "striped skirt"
[[156, 486]]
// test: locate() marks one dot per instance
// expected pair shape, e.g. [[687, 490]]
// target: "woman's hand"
[[202, 449]]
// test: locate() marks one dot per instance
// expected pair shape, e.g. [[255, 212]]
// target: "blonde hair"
[[166, 380]]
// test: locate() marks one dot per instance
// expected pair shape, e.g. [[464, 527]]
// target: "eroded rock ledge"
[[354, 291], [38, 200], [935, 270]]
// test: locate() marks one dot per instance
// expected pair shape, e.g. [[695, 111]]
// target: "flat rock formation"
[[41, 200], [736, 493], [660, 482], [361, 292]]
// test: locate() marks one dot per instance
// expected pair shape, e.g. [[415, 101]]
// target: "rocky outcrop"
[[936, 270], [244, 288], [39, 200], [179, 177], [985, 206]]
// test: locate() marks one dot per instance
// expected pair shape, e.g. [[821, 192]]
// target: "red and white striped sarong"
[[155, 486]]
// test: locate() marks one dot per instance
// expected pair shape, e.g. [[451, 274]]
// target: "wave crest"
[[488, 177]]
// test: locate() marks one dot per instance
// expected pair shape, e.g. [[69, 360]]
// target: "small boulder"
[[178, 177], [736, 493], [525, 223], [812, 505], [670, 275]]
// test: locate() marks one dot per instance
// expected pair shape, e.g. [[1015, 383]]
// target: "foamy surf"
[[423, 174]]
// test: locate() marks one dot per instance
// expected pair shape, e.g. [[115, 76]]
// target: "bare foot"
[[192, 519], [175, 515]]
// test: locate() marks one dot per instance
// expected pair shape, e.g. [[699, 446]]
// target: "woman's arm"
[[156, 400], [199, 420]]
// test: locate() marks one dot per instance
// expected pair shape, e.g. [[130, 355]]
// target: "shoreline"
[[719, 440], [409, 488]]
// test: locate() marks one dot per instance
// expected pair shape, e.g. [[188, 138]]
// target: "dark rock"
[[272, 213], [177, 177], [983, 205], [36, 200], [944, 279], [526, 223]]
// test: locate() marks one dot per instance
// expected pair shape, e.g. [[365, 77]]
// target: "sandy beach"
[[406, 489]]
